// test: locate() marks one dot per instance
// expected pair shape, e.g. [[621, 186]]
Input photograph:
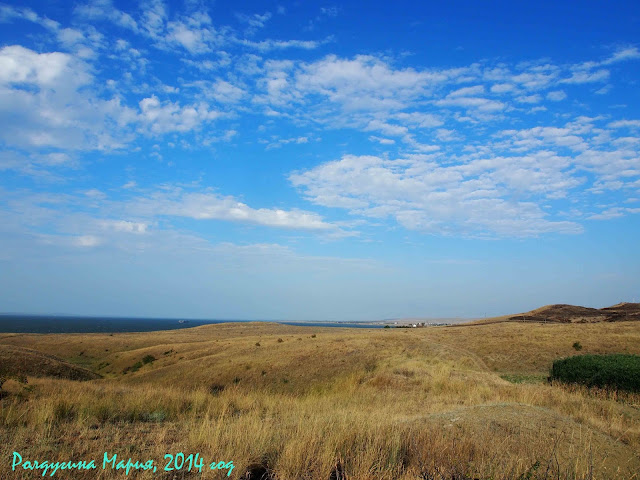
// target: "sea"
[[19, 323]]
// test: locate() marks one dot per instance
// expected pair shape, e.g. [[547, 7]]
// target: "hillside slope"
[[563, 313], [20, 361]]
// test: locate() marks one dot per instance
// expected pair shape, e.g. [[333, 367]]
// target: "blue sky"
[[309, 160]]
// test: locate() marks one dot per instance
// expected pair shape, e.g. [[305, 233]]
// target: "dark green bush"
[[133, 368], [616, 371], [148, 359]]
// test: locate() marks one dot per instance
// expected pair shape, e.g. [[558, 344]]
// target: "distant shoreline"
[[21, 323]]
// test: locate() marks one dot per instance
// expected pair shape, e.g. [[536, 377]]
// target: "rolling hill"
[[391, 404], [562, 313]]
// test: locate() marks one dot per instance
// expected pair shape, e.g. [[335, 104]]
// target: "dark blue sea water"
[[13, 323]]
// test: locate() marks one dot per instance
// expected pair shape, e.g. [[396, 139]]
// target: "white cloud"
[[628, 53], [536, 137], [500, 188], [211, 206], [529, 98], [104, 9], [154, 17], [225, 92], [556, 95], [472, 198], [330, 11], [364, 82], [95, 194], [254, 22], [268, 45], [279, 142], [382, 141], [124, 226], [467, 92], [447, 135], [587, 77], [7, 13], [419, 119], [604, 90], [625, 124], [477, 103], [86, 241], [364, 93], [162, 117], [192, 39], [387, 128], [502, 88], [534, 80], [59, 71], [44, 102], [613, 212]]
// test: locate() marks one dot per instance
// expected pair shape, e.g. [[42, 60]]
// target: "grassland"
[[396, 404]]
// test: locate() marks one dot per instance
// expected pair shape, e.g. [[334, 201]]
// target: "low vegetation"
[[614, 372], [385, 404]]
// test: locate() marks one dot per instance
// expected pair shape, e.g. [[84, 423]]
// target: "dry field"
[[434, 403]]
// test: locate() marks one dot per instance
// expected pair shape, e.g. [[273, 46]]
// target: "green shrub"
[[148, 359], [133, 368], [216, 388], [616, 371], [577, 346]]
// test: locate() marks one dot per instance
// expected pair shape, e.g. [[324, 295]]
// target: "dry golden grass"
[[388, 403]]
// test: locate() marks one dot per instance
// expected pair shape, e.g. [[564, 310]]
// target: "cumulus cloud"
[[501, 187], [162, 117], [55, 70], [349, 81], [225, 92], [44, 102], [420, 194]]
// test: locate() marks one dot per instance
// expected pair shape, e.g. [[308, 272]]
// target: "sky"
[[318, 161]]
